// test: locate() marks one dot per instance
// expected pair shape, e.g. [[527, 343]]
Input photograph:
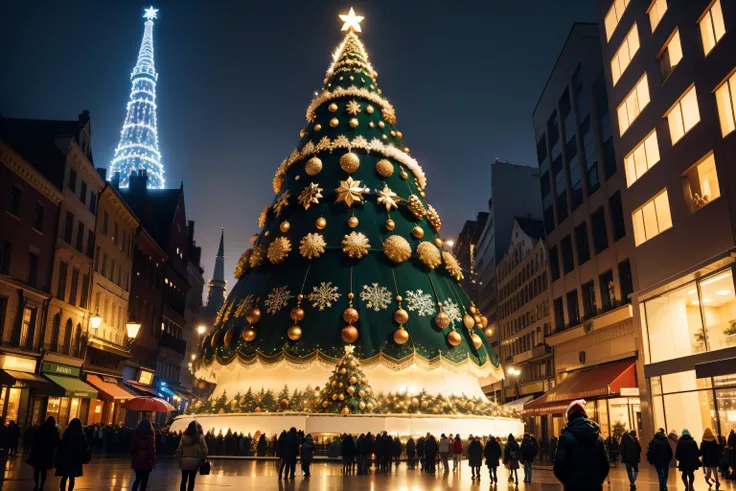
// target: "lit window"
[[614, 16], [700, 183], [671, 55], [683, 115], [625, 53], [641, 158], [712, 27], [633, 104], [656, 12], [652, 219], [725, 96]]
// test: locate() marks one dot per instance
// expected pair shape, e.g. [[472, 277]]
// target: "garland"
[[351, 91], [337, 54]]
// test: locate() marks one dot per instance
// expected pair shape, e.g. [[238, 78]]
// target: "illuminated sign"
[[629, 392], [55, 368], [18, 363], [145, 378]]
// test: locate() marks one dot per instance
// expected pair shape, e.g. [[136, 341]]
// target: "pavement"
[[104, 474]]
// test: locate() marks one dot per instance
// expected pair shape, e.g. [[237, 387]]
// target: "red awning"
[[142, 389], [589, 383], [108, 391]]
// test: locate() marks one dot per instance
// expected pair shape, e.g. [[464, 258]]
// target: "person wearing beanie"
[[711, 450], [581, 462], [659, 454], [687, 455]]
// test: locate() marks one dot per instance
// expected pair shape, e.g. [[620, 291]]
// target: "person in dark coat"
[[659, 454], [630, 456], [13, 438], [687, 455], [475, 457], [143, 454], [553, 448], [291, 452], [711, 451], [398, 448], [73, 453], [307, 454], [511, 456], [347, 449], [731, 445], [421, 447], [528, 454], [492, 453], [281, 452], [581, 462], [262, 446], [430, 454], [411, 453], [44, 443]]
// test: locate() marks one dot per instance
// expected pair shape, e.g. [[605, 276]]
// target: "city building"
[[464, 251], [670, 77], [514, 192], [108, 343], [193, 310], [523, 320], [29, 216], [588, 246], [217, 285]]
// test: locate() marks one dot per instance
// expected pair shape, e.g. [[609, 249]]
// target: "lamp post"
[[515, 372], [132, 327]]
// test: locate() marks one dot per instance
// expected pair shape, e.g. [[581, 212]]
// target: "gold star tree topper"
[[351, 21]]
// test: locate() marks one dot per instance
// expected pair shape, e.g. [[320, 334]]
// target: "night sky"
[[235, 79]]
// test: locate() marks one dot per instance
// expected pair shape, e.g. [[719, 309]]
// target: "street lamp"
[[449, 243], [132, 327], [515, 372], [95, 321], [201, 329]]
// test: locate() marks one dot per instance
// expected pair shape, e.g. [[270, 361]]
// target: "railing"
[[612, 305], [174, 344]]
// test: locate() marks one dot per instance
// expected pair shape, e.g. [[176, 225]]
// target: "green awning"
[[73, 387]]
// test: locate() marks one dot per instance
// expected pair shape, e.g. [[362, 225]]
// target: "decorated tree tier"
[[349, 252]]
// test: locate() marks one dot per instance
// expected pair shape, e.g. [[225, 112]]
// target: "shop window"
[[674, 325], [684, 115], [652, 218], [726, 410], [13, 403], [692, 410], [718, 303], [700, 183], [712, 27], [726, 99]]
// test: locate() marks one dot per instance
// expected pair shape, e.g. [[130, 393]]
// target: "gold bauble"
[[429, 255], [253, 316], [399, 134], [393, 132], [278, 250], [284, 403], [349, 162], [452, 266], [361, 393], [454, 338], [296, 314], [401, 336], [477, 319], [421, 193], [468, 321], [384, 137], [469, 405], [353, 222], [390, 225], [334, 397], [414, 401], [425, 404], [369, 406], [332, 107], [302, 133], [417, 232], [354, 122], [415, 206], [284, 226], [345, 410], [438, 242], [325, 404], [488, 332], [320, 223], [257, 257], [350, 315], [473, 309], [397, 249], [404, 175], [349, 334], [229, 335], [350, 390], [342, 371], [341, 397], [484, 320], [253, 238], [371, 124], [333, 383], [334, 122], [318, 127], [294, 332], [401, 316], [353, 380], [384, 168], [442, 320], [249, 334], [361, 405], [313, 166], [477, 341], [368, 389], [381, 124], [369, 109], [258, 409]]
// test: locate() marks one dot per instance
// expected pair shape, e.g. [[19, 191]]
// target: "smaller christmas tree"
[[347, 391]]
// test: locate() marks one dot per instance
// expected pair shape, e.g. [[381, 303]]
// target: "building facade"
[[465, 249], [193, 310], [670, 75], [588, 246]]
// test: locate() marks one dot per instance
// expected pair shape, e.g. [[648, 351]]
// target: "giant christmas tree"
[[349, 252], [138, 147]]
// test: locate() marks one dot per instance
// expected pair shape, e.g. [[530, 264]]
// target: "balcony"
[[172, 343]]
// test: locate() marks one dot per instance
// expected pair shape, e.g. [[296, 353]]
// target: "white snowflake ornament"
[[277, 299], [323, 295], [453, 311], [420, 302], [376, 297]]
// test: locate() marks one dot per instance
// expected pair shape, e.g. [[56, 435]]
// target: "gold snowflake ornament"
[[278, 250], [349, 192], [353, 107], [388, 198], [282, 202], [310, 195], [355, 245], [312, 246]]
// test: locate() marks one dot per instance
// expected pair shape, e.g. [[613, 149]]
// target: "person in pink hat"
[[581, 463]]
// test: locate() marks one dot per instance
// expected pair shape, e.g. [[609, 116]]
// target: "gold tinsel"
[[452, 266], [257, 257], [397, 249], [243, 264], [429, 254], [279, 249], [434, 218], [263, 216], [355, 245], [310, 195], [416, 207], [312, 246]]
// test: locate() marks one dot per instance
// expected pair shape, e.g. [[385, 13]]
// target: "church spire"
[[216, 292]]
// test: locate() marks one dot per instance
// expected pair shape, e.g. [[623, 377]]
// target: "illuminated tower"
[[138, 147], [217, 285]]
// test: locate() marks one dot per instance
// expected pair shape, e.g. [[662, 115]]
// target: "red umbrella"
[[146, 403]]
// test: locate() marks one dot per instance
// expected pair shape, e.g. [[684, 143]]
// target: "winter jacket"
[[475, 453], [281, 445], [672, 440], [457, 446], [143, 451], [291, 445], [347, 448], [630, 449], [397, 447], [511, 454], [711, 451], [307, 450], [192, 450], [430, 448], [421, 447], [581, 462], [72, 454], [411, 448], [732, 448], [492, 452], [262, 446], [45, 440], [362, 447], [659, 453], [528, 450], [687, 454], [444, 446]]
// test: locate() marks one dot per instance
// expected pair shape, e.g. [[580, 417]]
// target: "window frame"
[[676, 108], [707, 14], [641, 209], [652, 8], [625, 45], [630, 162], [625, 103]]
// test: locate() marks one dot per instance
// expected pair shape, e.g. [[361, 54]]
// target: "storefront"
[[70, 398], [139, 381], [107, 408], [19, 386], [690, 346], [610, 391]]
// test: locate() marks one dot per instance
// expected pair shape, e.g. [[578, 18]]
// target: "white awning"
[[517, 404]]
